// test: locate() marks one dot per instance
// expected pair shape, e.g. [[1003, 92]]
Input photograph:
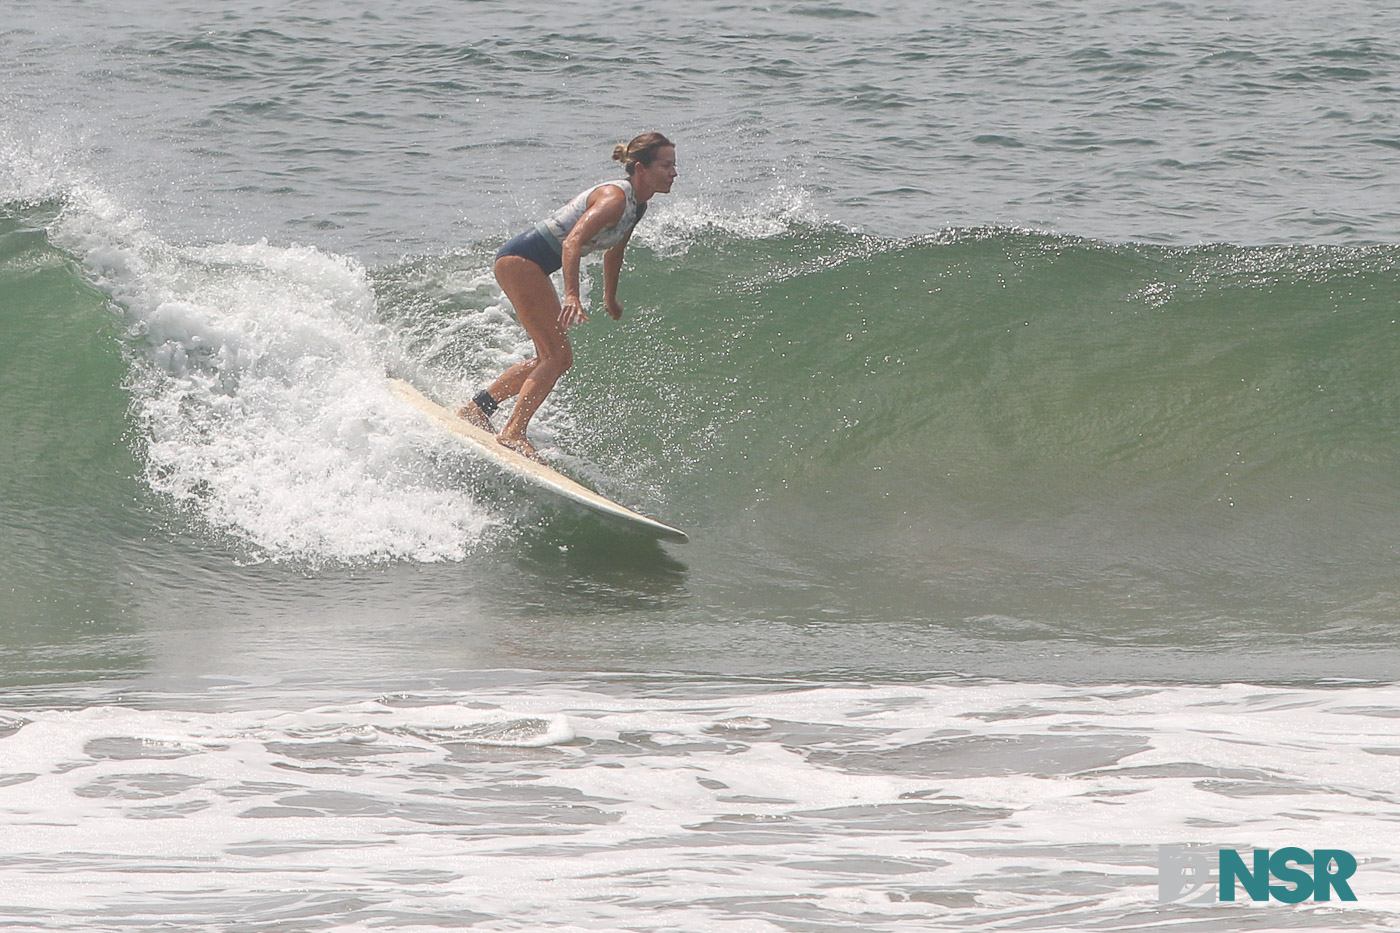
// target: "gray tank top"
[[556, 226]]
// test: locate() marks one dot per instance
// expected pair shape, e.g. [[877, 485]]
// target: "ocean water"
[[1024, 374]]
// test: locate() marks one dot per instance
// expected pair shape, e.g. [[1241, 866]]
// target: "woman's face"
[[662, 170]]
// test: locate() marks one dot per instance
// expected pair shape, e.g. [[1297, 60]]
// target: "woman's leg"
[[537, 307], [507, 385], [522, 294]]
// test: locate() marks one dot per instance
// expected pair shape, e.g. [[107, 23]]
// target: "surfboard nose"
[[484, 445]]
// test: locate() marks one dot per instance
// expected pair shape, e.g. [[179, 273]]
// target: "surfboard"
[[483, 444]]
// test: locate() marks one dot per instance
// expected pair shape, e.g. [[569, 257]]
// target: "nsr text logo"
[[1183, 875]]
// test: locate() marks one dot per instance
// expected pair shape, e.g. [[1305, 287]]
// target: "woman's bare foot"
[[472, 414], [522, 447]]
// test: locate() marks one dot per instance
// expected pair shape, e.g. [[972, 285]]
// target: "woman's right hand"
[[571, 312]]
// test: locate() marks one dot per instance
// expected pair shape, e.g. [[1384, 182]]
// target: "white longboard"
[[484, 443]]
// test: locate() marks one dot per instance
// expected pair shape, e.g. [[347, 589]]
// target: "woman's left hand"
[[614, 308]]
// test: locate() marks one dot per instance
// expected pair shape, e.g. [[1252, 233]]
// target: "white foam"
[[675, 222], [258, 383], [970, 806]]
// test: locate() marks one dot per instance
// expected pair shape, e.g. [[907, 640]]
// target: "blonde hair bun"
[[643, 149]]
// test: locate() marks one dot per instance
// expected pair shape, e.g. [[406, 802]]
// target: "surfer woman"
[[600, 218]]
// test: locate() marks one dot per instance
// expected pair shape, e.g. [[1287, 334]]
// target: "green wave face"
[[1017, 434], [1129, 430]]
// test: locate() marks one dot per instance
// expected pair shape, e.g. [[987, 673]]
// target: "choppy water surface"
[[424, 125], [663, 804]]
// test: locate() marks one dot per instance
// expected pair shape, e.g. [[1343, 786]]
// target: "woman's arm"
[[612, 267], [605, 208]]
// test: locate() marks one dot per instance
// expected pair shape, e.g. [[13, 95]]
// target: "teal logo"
[[1290, 875]]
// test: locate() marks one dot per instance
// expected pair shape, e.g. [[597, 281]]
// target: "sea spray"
[[257, 387]]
